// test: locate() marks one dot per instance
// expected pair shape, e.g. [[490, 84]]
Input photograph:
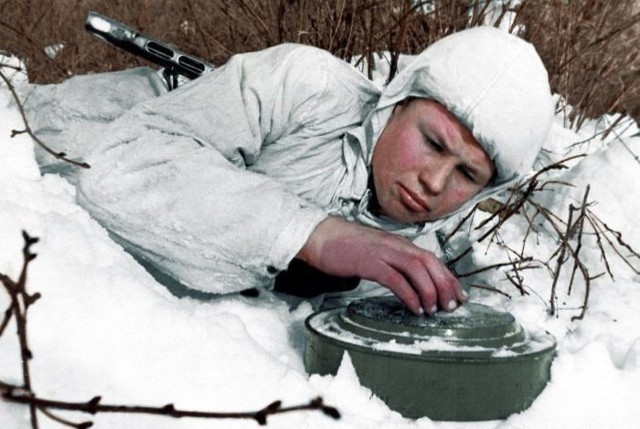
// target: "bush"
[[588, 46]]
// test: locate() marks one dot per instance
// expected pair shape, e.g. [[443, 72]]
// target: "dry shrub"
[[216, 29], [589, 46], [592, 51]]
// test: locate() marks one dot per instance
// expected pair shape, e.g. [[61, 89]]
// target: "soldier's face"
[[426, 164]]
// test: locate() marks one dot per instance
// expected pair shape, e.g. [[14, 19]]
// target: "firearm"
[[174, 61]]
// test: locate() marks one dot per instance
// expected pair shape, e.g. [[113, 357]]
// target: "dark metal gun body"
[[173, 60]]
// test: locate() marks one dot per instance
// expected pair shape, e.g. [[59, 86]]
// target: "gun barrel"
[[136, 43]]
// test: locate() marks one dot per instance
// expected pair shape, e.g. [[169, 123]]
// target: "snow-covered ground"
[[104, 327]]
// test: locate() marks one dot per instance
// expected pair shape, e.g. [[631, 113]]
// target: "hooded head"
[[493, 85]]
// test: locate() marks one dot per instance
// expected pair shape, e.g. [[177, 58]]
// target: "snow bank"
[[105, 327]]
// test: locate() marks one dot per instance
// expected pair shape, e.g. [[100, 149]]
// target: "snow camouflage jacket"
[[219, 184]]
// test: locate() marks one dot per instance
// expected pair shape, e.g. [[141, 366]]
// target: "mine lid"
[[472, 325]]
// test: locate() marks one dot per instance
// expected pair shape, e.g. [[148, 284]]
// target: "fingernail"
[[420, 311], [451, 305], [433, 310], [465, 295]]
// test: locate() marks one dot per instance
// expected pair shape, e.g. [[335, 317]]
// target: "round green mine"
[[476, 363]]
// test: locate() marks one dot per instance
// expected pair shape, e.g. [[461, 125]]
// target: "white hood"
[[494, 83]]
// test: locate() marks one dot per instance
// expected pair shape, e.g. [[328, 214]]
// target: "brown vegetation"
[[588, 46], [592, 51]]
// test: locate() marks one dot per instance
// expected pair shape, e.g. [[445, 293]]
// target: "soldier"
[[291, 155]]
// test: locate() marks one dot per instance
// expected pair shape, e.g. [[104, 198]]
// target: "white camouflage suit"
[[220, 183]]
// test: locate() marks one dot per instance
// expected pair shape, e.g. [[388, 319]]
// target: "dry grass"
[[592, 51], [216, 29], [589, 46]]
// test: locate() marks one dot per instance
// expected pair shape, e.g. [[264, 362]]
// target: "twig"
[[519, 196], [58, 155], [517, 282], [576, 254], [530, 229], [489, 288], [6, 319], [599, 224], [560, 261], [587, 292], [520, 283], [570, 234], [20, 303], [9, 66], [618, 237], [14, 394], [601, 247], [461, 223], [64, 422], [493, 266]]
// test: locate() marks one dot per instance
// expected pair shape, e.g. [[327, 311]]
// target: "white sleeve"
[[170, 181]]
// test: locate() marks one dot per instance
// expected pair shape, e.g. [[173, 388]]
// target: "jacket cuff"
[[293, 237]]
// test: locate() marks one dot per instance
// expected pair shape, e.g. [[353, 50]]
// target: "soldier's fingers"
[[398, 284]]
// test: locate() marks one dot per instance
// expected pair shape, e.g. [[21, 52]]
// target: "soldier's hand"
[[416, 276]]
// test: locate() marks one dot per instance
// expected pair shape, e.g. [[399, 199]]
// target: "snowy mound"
[[104, 327]]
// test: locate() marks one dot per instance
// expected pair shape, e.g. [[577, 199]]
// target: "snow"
[[104, 327]]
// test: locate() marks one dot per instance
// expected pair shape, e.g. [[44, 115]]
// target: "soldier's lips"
[[411, 200]]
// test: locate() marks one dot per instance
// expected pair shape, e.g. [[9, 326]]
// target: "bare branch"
[[576, 253], [63, 421], [520, 195], [15, 394], [570, 234], [20, 302], [600, 246], [491, 289], [492, 267], [6, 319], [58, 155], [603, 228]]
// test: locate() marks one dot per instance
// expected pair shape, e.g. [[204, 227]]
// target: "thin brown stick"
[[491, 289], [600, 225], [20, 303], [461, 223], [6, 319], [530, 229], [15, 394], [58, 155], [603, 253], [526, 189], [618, 237], [560, 262], [517, 282], [64, 422], [587, 292], [576, 253], [492, 267]]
